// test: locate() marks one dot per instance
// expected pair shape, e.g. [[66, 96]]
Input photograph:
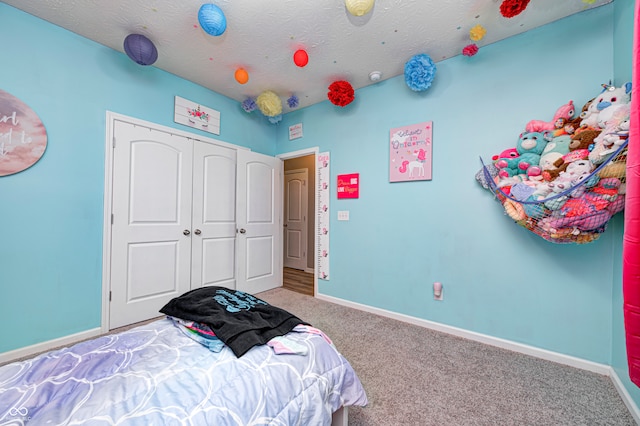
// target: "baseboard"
[[624, 394], [48, 345], [310, 270], [478, 337]]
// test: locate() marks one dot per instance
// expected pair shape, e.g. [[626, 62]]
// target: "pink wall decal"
[[23, 138]]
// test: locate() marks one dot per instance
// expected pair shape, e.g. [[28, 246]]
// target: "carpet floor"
[[417, 376]]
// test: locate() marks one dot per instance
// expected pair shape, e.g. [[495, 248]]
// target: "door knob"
[[285, 225], [197, 232], [242, 230], [186, 232]]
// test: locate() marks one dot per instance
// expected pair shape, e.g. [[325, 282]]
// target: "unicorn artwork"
[[416, 166], [413, 167], [410, 152]]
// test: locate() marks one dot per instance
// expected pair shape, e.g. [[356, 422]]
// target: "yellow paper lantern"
[[359, 7], [269, 103], [241, 75]]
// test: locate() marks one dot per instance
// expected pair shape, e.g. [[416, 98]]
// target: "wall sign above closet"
[[23, 138], [196, 116]]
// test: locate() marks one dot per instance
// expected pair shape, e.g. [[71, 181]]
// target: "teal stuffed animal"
[[554, 150], [530, 147]]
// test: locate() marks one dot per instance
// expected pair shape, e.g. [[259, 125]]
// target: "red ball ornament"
[[341, 93], [511, 8], [300, 58]]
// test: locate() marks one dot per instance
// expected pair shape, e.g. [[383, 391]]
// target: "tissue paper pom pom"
[[511, 8], [419, 72], [249, 104], [276, 119], [470, 50], [293, 101], [477, 33], [269, 103], [340, 93]]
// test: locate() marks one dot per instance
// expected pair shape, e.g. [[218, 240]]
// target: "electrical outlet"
[[438, 291]]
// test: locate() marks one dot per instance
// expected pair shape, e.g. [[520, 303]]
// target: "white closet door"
[[259, 208], [151, 241], [214, 216]]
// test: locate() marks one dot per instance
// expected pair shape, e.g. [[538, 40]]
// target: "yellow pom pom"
[[477, 33], [269, 103]]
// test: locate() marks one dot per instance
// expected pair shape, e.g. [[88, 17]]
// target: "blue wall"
[[499, 278], [52, 213]]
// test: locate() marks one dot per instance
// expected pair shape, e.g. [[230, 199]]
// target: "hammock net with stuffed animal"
[[565, 179]]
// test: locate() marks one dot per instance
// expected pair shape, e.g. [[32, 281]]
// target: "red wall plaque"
[[348, 185]]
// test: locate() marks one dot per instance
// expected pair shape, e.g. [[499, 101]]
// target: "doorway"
[[300, 221]]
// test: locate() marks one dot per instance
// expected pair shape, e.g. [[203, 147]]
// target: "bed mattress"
[[155, 375]]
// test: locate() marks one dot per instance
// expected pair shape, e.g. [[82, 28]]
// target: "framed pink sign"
[[23, 138], [410, 150]]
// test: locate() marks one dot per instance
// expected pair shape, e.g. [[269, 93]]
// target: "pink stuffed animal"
[[562, 115]]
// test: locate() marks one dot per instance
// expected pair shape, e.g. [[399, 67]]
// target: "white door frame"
[[108, 194], [296, 154]]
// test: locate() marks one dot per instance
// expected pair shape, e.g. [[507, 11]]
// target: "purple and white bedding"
[[155, 375]]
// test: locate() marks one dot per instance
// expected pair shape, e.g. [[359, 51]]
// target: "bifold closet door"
[[188, 214], [214, 216], [151, 223]]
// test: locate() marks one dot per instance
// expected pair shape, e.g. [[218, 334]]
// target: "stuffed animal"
[[530, 146], [564, 113], [567, 178], [620, 97], [578, 150], [617, 169], [583, 213], [584, 139], [607, 188], [555, 149], [612, 136], [610, 96], [506, 159], [507, 153]]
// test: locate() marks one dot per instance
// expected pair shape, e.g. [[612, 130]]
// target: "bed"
[[157, 374]]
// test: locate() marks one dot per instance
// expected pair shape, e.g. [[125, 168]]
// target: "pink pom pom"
[[470, 49]]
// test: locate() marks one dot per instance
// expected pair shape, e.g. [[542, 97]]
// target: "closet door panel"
[[150, 253], [214, 216], [259, 222]]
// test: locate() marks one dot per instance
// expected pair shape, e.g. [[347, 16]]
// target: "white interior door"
[[151, 222], [259, 207], [214, 216], [295, 218]]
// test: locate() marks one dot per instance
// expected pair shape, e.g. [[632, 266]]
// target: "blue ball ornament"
[[212, 19]]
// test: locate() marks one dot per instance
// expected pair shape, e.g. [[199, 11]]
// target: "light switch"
[[343, 215]]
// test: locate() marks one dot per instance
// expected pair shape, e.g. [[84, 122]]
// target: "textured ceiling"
[[262, 35]]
